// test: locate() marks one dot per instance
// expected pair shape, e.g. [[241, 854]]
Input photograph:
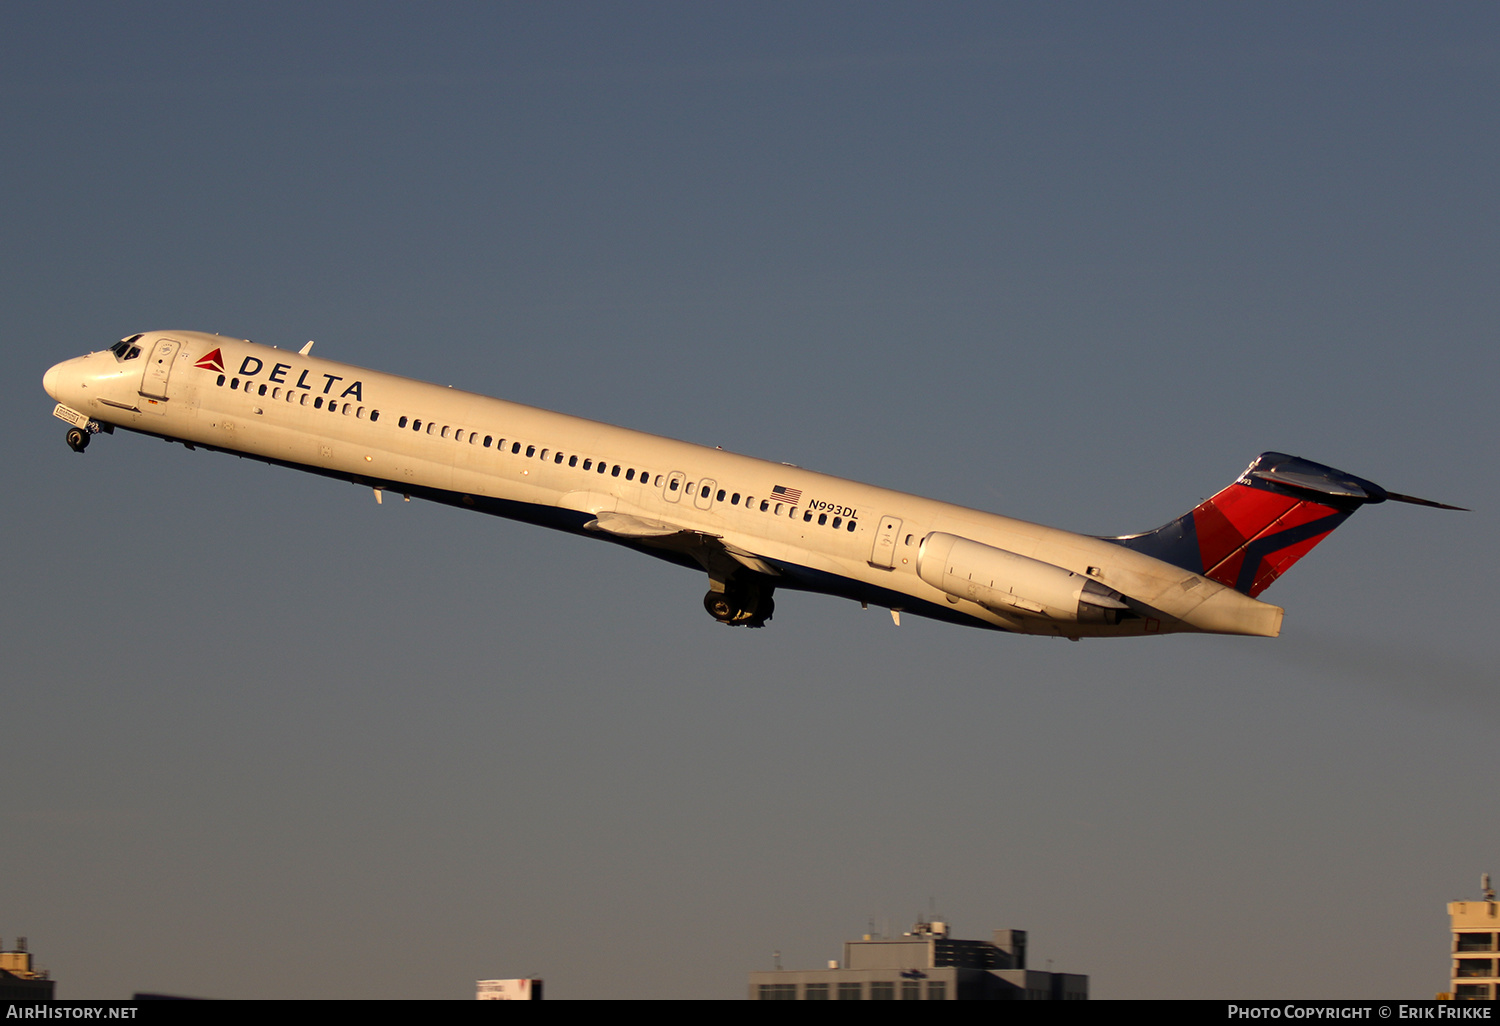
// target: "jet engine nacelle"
[[1014, 584]]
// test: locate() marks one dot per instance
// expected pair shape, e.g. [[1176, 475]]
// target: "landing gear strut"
[[78, 439], [743, 602]]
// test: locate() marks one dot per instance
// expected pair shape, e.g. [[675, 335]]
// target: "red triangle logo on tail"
[[214, 361]]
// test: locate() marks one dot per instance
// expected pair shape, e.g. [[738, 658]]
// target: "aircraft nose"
[[51, 379]]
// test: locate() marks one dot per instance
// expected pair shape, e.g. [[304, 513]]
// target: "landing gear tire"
[[741, 605], [78, 439]]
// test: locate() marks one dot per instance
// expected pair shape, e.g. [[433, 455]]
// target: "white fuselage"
[[799, 529]]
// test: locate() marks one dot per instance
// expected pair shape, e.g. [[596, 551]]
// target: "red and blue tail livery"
[[1251, 533]]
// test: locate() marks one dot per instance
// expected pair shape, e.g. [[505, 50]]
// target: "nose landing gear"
[[78, 439]]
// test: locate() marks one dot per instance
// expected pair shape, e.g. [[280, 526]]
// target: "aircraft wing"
[[718, 557]]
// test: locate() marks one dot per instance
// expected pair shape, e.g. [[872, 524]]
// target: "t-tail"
[[1252, 532]]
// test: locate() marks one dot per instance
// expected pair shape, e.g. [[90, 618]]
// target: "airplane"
[[752, 525]]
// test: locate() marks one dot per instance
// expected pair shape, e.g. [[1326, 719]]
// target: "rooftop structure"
[[18, 981], [925, 964]]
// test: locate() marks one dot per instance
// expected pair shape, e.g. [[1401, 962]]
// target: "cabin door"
[[883, 555], [159, 369]]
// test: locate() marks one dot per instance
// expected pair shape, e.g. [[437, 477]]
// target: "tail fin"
[[1252, 532]]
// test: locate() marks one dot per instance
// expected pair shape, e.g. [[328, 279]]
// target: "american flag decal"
[[792, 495]]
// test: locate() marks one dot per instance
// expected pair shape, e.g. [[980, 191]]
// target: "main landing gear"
[[743, 601], [78, 439]]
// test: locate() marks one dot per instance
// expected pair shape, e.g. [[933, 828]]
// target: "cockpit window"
[[126, 349]]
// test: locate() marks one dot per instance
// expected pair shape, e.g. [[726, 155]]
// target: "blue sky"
[[1074, 263]]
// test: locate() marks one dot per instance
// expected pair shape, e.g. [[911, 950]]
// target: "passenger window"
[[672, 484], [616, 471], [374, 416], [515, 447], [543, 456], [303, 400], [318, 403], [734, 500], [588, 464], [605, 466], [765, 504], [347, 408], [432, 427], [822, 519], [850, 527], [572, 461], [221, 381], [530, 451], [557, 458], [416, 425], [720, 496], [704, 493], [262, 390], [235, 383], [276, 393], [445, 430], [807, 517], [487, 440], [836, 522]]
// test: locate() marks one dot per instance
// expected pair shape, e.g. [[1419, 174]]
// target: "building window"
[[911, 990], [851, 991], [883, 990], [1475, 967], [778, 992], [937, 990], [815, 992], [1475, 942]]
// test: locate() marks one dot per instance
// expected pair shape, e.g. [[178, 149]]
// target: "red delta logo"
[[214, 361]]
